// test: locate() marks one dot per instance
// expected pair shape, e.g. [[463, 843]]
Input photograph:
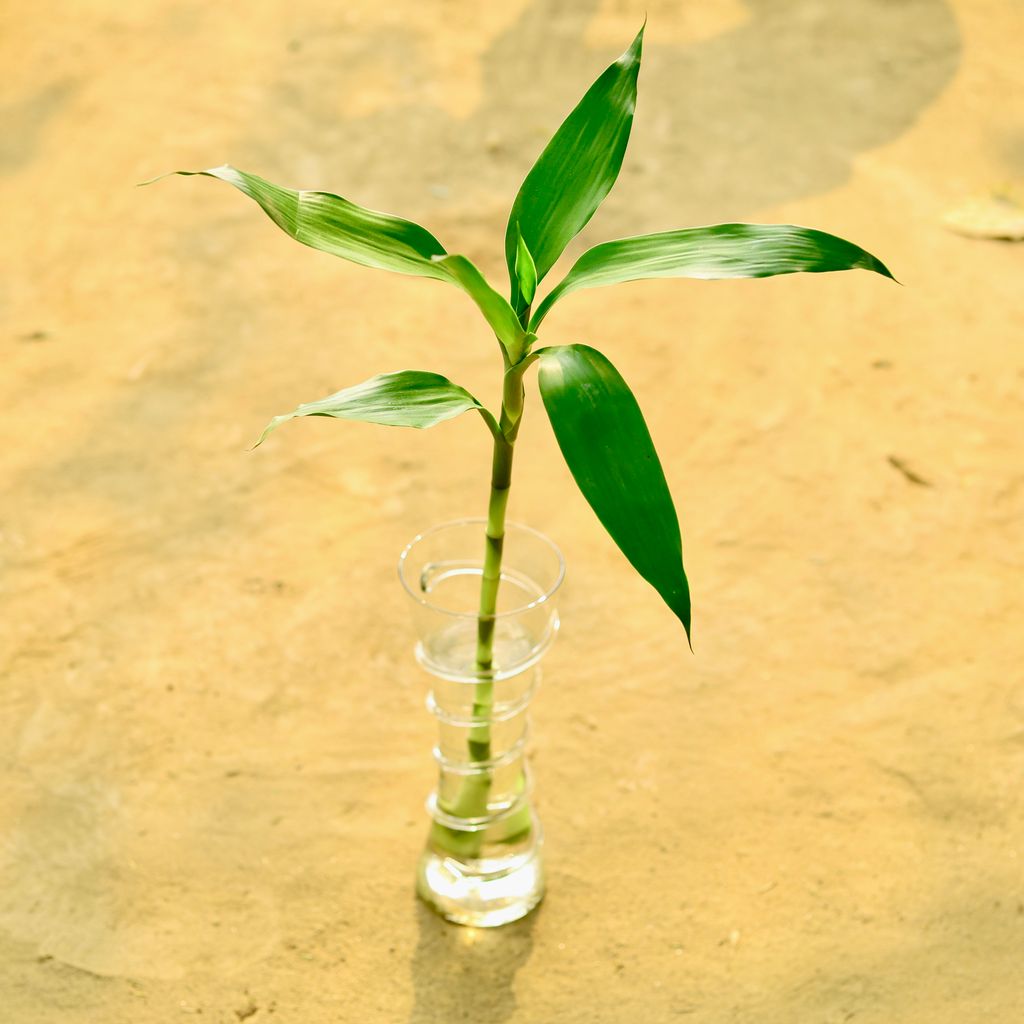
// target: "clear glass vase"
[[482, 862]]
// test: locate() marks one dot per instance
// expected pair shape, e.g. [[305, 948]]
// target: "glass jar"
[[482, 863]]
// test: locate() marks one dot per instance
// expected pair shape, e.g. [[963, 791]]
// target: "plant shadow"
[[775, 106], [467, 973]]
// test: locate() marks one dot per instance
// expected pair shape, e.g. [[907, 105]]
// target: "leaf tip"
[[880, 268], [271, 426], [185, 174], [682, 609], [151, 181], [636, 47], [873, 263], [687, 625], [630, 58]]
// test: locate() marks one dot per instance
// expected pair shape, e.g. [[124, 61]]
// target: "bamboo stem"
[[471, 801], [490, 581]]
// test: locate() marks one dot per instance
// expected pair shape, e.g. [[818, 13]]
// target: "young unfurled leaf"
[[609, 451], [409, 398], [526, 269], [334, 225], [712, 253], [576, 170]]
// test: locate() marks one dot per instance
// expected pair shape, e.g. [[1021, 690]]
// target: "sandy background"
[[213, 746]]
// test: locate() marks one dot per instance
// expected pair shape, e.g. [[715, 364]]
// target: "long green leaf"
[[334, 225], [712, 253], [609, 451], [576, 170], [409, 398]]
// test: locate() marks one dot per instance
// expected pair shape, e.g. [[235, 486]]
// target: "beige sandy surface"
[[213, 745]]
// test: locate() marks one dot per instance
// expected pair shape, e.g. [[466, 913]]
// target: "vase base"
[[484, 893]]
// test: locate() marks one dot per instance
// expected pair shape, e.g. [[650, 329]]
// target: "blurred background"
[[212, 737]]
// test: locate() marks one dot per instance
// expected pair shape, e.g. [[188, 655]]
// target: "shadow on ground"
[[467, 973], [725, 125]]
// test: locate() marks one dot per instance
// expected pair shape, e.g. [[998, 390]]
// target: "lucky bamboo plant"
[[596, 419]]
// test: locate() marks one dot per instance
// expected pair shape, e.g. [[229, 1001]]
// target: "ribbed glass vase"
[[482, 863]]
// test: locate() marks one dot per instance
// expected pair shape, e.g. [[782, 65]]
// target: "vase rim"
[[481, 521]]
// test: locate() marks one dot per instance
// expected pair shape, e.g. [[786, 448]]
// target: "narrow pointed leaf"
[[609, 451], [712, 253], [576, 170], [334, 225], [526, 269], [409, 398]]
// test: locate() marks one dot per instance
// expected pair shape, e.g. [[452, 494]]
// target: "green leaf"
[[334, 225], [495, 308], [409, 398], [576, 170], [609, 451], [712, 253], [526, 269]]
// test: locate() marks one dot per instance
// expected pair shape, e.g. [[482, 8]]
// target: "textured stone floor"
[[213, 746]]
